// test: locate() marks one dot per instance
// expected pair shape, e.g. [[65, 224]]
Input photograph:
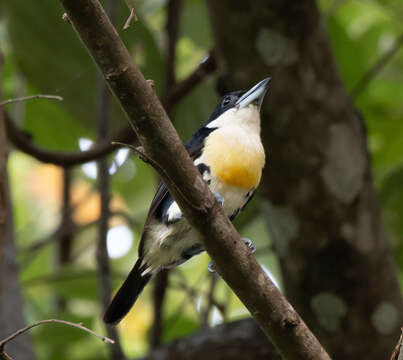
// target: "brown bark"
[[236, 340], [317, 191], [161, 144]]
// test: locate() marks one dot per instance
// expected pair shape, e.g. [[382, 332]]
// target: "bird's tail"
[[127, 294]]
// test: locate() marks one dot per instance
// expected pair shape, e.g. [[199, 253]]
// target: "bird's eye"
[[226, 101]]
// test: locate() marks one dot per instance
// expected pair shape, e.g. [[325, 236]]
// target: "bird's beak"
[[255, 94]]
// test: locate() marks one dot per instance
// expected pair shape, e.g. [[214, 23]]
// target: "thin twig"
[[160, 286], [37, 96], [190, 295], [48, 321], [131, 17], [376, 68], [23, 142], [205, 314], [397, 351], [193, 293], [65, 242]]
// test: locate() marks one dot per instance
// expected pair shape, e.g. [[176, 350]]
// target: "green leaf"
[[74, 283], [350, 60], [178, 326], [195, 109], [54, 61], [195, 24]]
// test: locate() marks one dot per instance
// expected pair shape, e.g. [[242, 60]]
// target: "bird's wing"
[[162, 196]]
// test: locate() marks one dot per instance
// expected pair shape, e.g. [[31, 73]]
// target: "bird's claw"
[[211, 266], [249, 244]]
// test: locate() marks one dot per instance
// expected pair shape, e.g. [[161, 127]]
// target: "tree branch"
[[48, 321], [23, 141], [132, 15], [397, 353], [30, 97], [233, 260]]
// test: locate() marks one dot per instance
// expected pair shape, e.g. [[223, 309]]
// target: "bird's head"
[[243, 106]]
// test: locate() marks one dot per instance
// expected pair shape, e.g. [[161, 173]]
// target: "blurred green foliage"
[[43, 55]]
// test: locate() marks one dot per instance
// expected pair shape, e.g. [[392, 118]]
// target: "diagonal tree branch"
[[236, 265]]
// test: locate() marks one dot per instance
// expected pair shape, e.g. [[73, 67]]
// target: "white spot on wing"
[[174, 212]]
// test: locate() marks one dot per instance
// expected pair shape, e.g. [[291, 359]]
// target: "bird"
[[229, 154]]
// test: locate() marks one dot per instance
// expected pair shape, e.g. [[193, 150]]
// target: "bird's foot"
[[219, 198], [211, 266], [249, 244]]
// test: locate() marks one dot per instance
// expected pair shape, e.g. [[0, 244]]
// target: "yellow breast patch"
[[235, 160]]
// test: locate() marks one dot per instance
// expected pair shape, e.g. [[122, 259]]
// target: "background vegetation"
[[57, 210]]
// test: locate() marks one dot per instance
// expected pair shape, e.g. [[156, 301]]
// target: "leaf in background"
[[349, 59], [50, 55], [195, 23], [178, 326], [195, 109], [138, 189], [54, 61], [383, 113], [355, 32], [74, 283], [391, 197]]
